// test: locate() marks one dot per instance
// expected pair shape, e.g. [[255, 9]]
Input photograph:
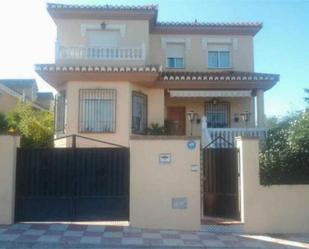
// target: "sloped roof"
[[16, 84], [219, 76], [44, 96], [53, 73], [150, 12]]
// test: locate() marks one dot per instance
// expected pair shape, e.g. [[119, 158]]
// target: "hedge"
[[285, 156]]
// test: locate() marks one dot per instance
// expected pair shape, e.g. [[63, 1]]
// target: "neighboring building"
[[46, 100], [13, 91], [118, 69]]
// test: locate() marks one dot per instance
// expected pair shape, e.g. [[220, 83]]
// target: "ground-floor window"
[[217, 114], [139, 113], [60, 109], [97, 110]]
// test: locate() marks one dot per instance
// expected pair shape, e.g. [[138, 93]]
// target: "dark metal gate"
[[65, 184], [220, 174]]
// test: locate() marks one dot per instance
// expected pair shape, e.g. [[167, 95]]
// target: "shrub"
[[3, 124], [156, 129], [285, 156], [34, 126]]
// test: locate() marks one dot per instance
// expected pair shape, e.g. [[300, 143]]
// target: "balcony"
[[119, 53], [228, 135]]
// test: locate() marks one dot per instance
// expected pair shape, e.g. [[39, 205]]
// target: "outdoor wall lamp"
[[103, 25], [191, 115], [214, 101], [245, 116], [236, 117]]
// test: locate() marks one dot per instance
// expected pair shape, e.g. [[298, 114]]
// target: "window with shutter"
[[103, 37], [175, 55]]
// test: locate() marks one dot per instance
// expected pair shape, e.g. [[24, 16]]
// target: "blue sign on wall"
[[191, 144]]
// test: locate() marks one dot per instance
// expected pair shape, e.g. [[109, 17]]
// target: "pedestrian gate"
[[67, 184], [221, 188]]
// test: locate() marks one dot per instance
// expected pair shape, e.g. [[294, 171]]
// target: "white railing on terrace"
[[229, 134], [101, 52]]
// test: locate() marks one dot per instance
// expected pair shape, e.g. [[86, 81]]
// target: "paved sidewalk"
[[96, 236]]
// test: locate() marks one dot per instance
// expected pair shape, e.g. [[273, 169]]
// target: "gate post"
[[8, 149], [249, 173]]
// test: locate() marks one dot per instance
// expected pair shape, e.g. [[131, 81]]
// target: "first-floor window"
[[139, 113], [60, 108], [97, 110], [219, 59], [175, 55], [217, 114], [175, 62]]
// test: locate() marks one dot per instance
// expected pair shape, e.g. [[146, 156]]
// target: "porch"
[[212, 114]]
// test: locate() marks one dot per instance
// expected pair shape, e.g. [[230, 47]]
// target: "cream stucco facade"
[[7, 102], [118, 49], [269, 209], [8, 146], [123, 131], [154, 185]]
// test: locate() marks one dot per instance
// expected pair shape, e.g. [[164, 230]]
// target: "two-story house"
[[118, 69]]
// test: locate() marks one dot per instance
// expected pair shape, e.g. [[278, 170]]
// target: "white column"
[[260, 108], [253, 113]]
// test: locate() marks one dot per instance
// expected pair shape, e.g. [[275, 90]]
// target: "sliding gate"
[[66, 184]]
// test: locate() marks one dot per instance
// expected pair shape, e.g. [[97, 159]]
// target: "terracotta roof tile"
[[100, 7], [209, 24], [219, 76]]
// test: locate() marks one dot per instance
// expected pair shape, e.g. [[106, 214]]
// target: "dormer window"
[[175, 55], [219, 59]]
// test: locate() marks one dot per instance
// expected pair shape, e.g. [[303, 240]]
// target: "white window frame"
[[168, 66], [218, 51], [187, 46]]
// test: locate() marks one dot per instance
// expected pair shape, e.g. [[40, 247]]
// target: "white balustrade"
[[225, 137], [229, 134], [101, 53]]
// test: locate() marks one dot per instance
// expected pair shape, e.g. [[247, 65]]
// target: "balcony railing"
[[101, 52], [228, 135]]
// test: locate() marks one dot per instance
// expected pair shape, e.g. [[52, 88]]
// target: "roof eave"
[[101, 13], [208, 30]]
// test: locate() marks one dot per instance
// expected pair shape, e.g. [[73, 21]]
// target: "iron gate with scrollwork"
[[66, 184]]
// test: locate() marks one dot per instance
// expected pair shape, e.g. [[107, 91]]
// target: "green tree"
[[285, 155], [307, 97], [3, 124], [34, 126]]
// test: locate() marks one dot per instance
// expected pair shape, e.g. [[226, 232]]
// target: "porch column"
[[260, 108]]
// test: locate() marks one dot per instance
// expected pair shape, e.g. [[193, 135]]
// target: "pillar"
[[8, 151], [260, 108]]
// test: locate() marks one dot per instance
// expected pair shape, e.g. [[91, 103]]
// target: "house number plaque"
[[165, 158]]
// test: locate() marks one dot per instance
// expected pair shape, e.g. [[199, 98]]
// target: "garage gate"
[[70, 184]]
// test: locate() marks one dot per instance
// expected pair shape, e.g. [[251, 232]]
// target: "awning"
[[195, 93]]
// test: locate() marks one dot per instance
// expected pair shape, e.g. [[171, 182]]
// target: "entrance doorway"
[[177, 118]]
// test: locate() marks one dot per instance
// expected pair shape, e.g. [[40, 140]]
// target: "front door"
[[177, 118]]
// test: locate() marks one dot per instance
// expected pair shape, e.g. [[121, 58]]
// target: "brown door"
[[177, 117]]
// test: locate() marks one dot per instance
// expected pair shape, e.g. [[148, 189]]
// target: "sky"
[[28, 34]]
